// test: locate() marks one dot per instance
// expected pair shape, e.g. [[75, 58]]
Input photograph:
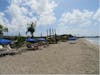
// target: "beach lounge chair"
[[33, 44], [7, 50], [42, 42], [2, 50]]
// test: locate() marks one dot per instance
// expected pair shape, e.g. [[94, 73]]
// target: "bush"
[[20, 41]]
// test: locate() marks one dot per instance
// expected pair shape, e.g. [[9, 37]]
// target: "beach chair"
[[7, 50], [12, 51], [45, 44], [2, 50], [40, 45], [42, 42], [32, 46]]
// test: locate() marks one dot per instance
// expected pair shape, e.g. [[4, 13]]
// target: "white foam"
[[94, 40]]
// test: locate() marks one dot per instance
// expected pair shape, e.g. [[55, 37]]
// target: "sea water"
[[94, 40]]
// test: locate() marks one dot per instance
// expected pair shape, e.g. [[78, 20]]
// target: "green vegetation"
[[3, 29], [31, 29], [19, 42]]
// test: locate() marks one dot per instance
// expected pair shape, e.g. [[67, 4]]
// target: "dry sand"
[[62, 58]]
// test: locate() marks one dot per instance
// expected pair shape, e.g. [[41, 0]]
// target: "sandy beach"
[[62, 58]]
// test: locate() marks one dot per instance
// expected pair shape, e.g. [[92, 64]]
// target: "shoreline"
[[93, 41], [82, 57], [91, 44]]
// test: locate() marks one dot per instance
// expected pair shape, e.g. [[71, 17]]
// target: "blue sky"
[[68, 5], [77, 17]]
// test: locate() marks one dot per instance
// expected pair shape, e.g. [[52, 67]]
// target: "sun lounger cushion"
[[1, 47]]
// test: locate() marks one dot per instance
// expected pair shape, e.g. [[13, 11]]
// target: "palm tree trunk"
[[32, 35]]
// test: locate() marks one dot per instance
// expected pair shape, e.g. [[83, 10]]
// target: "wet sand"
[[81, 57]]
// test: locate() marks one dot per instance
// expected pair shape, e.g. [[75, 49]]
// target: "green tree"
[[31, 29], [3, 29]]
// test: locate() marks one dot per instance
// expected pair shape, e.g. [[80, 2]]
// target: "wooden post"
[[56, 40], [41, 34], [50, 32], [47, 33]]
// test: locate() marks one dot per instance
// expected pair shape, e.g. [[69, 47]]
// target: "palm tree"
[[31, 29], [3, 29]]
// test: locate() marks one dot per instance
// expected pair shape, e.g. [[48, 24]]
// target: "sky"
[[76, 17]]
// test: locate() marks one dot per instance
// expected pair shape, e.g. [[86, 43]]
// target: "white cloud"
[[97, 15], [76, 17], [46, 19], [3, 19], [22, 12], [1, 16], [40, 8], [79, 21]]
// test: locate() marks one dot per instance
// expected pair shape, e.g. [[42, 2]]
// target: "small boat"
[[72, 38]]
